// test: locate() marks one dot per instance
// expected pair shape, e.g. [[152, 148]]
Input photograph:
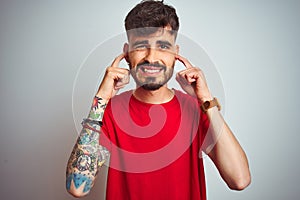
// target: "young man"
[[152, 136]]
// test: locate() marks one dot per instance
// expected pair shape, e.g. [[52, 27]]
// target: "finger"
[[185, 71], [117, 60], [189, 76], [192, 76], [117, 73], [190, 79], [120, 71], [184, 61], [181, 80], [123, 79], [121, 84]]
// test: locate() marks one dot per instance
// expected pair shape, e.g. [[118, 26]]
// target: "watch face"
[[206, 104]]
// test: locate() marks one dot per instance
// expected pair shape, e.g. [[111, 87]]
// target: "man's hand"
[[114, 79], [192, 80]]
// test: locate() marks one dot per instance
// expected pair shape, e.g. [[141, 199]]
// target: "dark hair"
[[152, 13]]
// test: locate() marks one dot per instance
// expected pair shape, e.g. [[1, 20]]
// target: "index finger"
[[184, 61], [117, 60]]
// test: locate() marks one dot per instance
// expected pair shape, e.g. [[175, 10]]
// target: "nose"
[[151, 55]]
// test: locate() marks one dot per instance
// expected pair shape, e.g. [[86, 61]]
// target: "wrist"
[[97, 108], [203, 99], [91, 124], [101, 99], [204, 95], [209, 104], [103, 93]]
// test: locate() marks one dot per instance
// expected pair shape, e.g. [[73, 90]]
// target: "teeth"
[[151, 70]]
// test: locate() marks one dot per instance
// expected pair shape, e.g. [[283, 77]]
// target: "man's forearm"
[[87, 155], [226, 152]]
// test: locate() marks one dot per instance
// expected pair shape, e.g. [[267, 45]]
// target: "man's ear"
[[125, 51], [177, 49]]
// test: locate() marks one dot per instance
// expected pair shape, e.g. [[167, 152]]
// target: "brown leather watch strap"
[[209, 104]]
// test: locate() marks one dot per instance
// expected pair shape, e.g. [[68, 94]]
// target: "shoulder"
[[118, 105], [120, 100], [185, 99], [123, 96]]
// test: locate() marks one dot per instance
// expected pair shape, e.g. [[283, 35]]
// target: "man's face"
[[152, 58]]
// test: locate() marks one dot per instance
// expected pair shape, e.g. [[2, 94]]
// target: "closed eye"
[[141, 47]]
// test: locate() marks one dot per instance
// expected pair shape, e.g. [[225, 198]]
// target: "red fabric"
[[160, 164]]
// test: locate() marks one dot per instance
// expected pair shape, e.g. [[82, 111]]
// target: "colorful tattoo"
[[87, 155], [87, 137], [97, 109], [78, 180]]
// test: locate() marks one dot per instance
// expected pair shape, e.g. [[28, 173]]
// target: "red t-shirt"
[[154, 148]]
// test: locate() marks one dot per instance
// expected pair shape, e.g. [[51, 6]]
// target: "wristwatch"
[[209, 104]]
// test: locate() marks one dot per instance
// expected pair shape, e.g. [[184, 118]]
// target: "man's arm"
[[220, 143], [226, 152], [87, 155]]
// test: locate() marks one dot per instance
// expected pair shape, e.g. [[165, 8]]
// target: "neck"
[[162, 95]]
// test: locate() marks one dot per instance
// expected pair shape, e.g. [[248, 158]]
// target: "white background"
[[255, 46]]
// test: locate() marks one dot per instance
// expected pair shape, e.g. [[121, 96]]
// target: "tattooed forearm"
[[97, 110], [87, 155]]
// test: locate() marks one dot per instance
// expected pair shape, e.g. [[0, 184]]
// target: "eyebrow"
[[164, 42], [140, 42]]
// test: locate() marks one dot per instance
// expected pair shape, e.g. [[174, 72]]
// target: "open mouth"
[[151, 70]]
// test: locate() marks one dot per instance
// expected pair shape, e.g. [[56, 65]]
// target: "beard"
[[152, 83]]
